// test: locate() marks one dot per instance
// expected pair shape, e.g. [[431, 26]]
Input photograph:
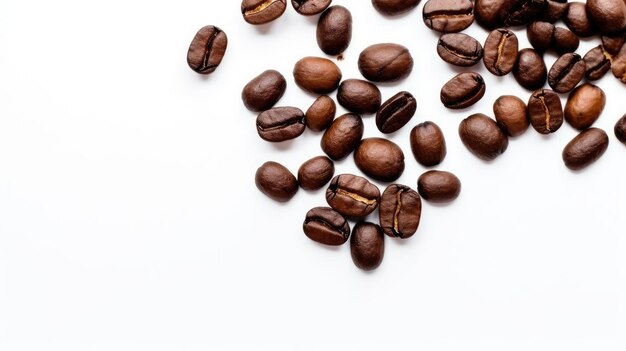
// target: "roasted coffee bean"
[[280, 124], [545, 111], [566, 73], [609, 16], [597, 63], [564, 41], [207, 49], [540, 35], [262, 92], [326, 226], [343, 136], [620, 129], [463, 90], [585, 149], [487, 13], [317, 75], [448, 16], [262, 11], [359, 96], [321, 114], [275, 181], [400, 211], [495, 13], [334, 30], [438, 186], [577, 20], [530, 70], [394, 113], [394, 7], [310, 7], [352, 196], [511, 115], [385, 62], [584, 106], [482, 137], [500, 53], [554, 10], [613, 43], [315, 173], [459, 49], [367, 246], [380, 159], [428, 144], [618, 65]]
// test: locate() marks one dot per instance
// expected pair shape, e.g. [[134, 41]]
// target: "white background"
[[129, 219]]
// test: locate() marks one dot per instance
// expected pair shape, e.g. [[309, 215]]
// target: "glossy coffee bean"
[[352, 196], [380, 159], [396, 112], [263, 91], [463, 90], [584, 106], [315, 173], [280, 124], [487, 13], [500, 52], [540, 35], [566, 73], [359, 96], [400, 211], [554, 10], [530, 71], [334, 30], [612, 44], [394, 7], [482, 137], [577, 20], [585, 149], [495, 13], [545, 111], [367, 246], [310, 7], [343, 136], [321, 114], [275, 181], [597, 63], [618, 65], [207, 49], [459, 49], [609, 16], [326, 226], [448, 16], [428, 144], [439, 186], [262, 11], [385, 62], [317, 75], [620, 130], [511, 115]]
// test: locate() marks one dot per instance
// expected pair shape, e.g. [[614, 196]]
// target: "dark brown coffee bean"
[[554, 10], [438, 186], [343, 136], [459, 49], [584, 106], [564, 41], [585, 149], [394, 7], [482, 137], [310, 7], [321, 114], [463, 90], [597, 63], [487, 13], [275, 181], [280, 124], [448, 16], [352, 196], [367, 246], [385, 62], [618, 65], [326, 226], [613, 43], [566, 73], [620, 130], [394, 113], [315, 173], [380, 159], [530, 71], [317, 75], [263, 91], [511, 115], [262, 11], [359, 96], [334, 30], [207, 49], [577, 20], [609, 16], [400, 211], [545, 111], [540, 35], [428, 144], [500, 53], [496, 13]]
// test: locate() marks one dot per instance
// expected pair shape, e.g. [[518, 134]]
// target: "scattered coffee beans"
[[262, 92], [428, 144], [584, 106], [566, 73], [280, 124], [448, 16], [334, 30], [367, 246], [385, 62], [352, 196], [317, 75], [380, 159], [394, 7], [315, 173], [597, 63], [262, 11], [275, 181], [496, 13], [530, 71], [463, 90], [400, 211], [326, 226], [459, 49], [396, 112], [620, 129], [544, 36], [207, 49], [500, 53], [511, 115], [585, 149], [321, 114], [438, 186], [343, 136], [482, 137], [545, 111], [310, 7], [359, 96]]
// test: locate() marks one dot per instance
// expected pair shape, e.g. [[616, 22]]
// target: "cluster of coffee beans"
[[353, 197]]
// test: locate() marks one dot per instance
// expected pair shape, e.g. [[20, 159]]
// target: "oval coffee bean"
[[367, 246], [463, 90], [394, 7], [448, 16], [359, 96], [459, 49], [578, 21], [428, 144], [511, 115], [584, 106], [618, 65], [326, 226], [620, 129], [400, 211], [317, 75], [545, 111], [334, 30], [585, 149], [487, 13], [275, 181], [207, 49], [321, 114], [609, 16], [280, 124], [396, 112], [438, 186], [540, 35], [566, 73], [343, 136], [263, 91], [380, 159], [315, 173], [530, 70], [554, 10], [613, 43], [262, 11], [385, 62], [500, 52], [352, 196], [482, 137], [564, 41], [597, 63], [310, 7]]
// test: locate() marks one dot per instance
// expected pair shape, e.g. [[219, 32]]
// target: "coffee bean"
[[482, 137], [396, 112], [609, 16], [540, 35], [343, 136], [263, 91], [334, 30], [566, 73], [511, 115], [262, 11], [317, 75], [585, 149], [496, 13], [500, 53], [428, 144], [618, 65], [564, 41], [352, 196], [545, 111], [367, 246], [620, 129], [487, 13], [380, 159], [613, 43], [530, 70], [385, 62], [438, 186], [448, 16], [321, 114], [400, 211], [315, 173], [597, 63], [326, 226], [577, 20], [359, 96], [310, 7], [394, 7], [207, 49], [459, 49], [280, 124], [554, 10], [275, 181], [584, 106], [463, 90]]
